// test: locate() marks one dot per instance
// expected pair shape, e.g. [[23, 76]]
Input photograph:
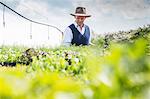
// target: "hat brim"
[[81, 15]]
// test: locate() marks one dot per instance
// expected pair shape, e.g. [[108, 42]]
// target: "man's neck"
[[81, 27]]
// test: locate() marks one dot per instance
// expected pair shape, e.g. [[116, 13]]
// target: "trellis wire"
[[4, 16], [27, 19]]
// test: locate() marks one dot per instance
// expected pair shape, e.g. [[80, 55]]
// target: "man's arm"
[[91, 36], [67, 37]]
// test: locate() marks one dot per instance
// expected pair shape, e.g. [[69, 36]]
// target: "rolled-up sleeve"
[[67, 37], [90, 35]]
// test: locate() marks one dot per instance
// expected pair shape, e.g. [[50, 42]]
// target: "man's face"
[[80, 19]]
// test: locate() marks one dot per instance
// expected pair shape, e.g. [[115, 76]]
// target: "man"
[[78, 33]]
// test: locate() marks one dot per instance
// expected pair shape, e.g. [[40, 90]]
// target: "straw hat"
[[80, 11]]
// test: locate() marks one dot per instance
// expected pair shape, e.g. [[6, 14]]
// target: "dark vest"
[[78, 38]]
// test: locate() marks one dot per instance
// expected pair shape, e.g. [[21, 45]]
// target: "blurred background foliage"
[[117, 67]]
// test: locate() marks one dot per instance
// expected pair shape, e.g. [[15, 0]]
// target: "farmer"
[[78, 33]]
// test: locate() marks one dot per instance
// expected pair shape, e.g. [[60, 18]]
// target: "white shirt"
[[68, 35]]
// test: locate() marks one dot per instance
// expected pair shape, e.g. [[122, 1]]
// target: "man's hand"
[[91, 44]]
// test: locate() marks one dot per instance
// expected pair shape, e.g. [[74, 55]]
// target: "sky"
[[107, 16]]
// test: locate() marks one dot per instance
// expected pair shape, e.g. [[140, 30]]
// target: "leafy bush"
[[120, 72]]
